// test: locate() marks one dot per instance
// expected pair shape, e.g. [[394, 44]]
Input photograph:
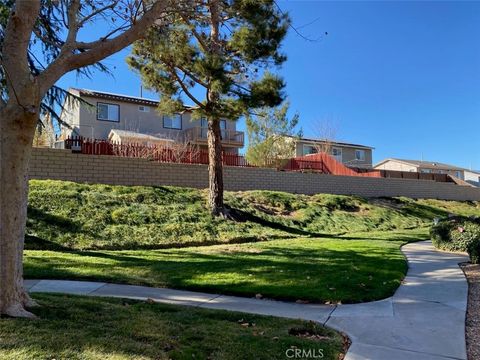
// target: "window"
[[172, 122], [144, 108], [360, 155], [204, 123], [108, 112], [309, 149], [426, 171], [458, 174]]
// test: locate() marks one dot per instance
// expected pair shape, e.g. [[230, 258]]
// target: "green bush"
[[458, 235]]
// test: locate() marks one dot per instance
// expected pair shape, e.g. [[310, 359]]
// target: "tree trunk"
[[17, 127], [215, 168], [215, 165]]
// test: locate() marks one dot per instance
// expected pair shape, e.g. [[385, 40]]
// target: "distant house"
[[472, 177], [351, 155], [427, 167], [123, 118]]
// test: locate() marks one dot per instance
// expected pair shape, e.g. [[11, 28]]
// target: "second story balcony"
[[230, 138]]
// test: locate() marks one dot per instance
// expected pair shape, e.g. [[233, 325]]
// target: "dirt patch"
[[389, 203], [272, 210], [472, 324]]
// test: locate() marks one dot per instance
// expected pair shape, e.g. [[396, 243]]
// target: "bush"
[[458, 235]]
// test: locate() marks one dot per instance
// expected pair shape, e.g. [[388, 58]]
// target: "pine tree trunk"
[[17, 128], [215, 168]]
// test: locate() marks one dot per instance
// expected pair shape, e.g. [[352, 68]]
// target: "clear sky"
[[403, 77]]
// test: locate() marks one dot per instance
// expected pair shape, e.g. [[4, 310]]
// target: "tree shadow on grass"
[[243, 216], [56, 224], [316, 275]]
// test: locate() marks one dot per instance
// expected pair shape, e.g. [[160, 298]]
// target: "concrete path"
[[424, 320]]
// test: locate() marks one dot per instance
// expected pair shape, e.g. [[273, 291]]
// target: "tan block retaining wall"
[[64, 165]]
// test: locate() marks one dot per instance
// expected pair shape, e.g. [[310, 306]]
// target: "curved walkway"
[[423, 320]]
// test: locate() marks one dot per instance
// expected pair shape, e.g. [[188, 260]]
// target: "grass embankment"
[[74, 327], [321, 248], [70, 216], [353, 268]]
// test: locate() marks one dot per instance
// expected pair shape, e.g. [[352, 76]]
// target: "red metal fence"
[[322, 163]]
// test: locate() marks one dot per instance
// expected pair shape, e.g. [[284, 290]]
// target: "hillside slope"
[[66, 215]]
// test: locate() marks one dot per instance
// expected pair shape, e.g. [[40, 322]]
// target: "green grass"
[[353, 268], [66, 215], [82, 328]]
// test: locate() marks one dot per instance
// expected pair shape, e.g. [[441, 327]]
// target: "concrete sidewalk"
[[424, 320]]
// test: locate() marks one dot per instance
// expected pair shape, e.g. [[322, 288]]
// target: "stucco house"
[[472, 177], [351, 155], [137, 118], [424, 167]]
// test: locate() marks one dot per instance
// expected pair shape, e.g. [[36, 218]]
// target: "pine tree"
[[271, 135], [218, 56]]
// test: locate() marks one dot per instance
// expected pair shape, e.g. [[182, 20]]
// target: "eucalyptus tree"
[[40, 41], [219, 57]]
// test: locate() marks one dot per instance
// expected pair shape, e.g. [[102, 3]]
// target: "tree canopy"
[[225, 49], [271, 136]]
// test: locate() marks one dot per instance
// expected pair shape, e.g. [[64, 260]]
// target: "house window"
[[426, 171], [108, 112], [309, 149], [142, 108], [360, 155], [204, 123], [458, 174], [172, 122], [337, 154]]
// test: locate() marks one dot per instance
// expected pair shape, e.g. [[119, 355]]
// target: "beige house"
[[351, 155], [472, 177], [422, 167], [102, 112]]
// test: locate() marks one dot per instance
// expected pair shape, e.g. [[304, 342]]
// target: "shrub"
[[440, 235], [458, 235]]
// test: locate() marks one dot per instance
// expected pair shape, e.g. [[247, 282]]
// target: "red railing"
[[320, 163], [168, 153]]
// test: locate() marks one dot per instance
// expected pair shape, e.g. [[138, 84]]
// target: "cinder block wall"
[[64, 165]]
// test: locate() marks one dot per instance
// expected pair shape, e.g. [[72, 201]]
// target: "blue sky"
[[403, 77]]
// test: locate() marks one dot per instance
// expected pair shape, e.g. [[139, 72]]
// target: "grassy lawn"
[[74, 327], [320, 248], [70, 216], [351, 268]]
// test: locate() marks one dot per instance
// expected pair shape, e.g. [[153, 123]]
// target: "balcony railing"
[[198, 135]]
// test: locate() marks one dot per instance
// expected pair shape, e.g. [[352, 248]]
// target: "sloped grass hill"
[[71, 216]]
